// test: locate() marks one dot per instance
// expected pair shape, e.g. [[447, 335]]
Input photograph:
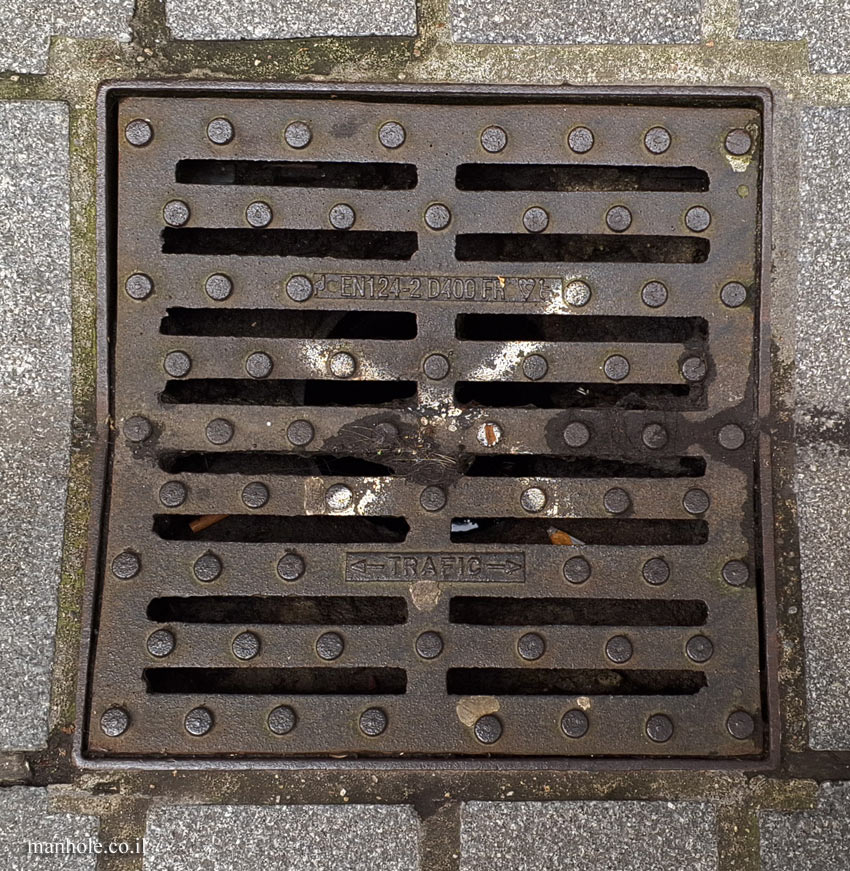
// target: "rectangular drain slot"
[[241, 242], [299, 173], [279, 324], [553, 466], [561, 394], [573, 682], [287, 391], [276, 528], [578, 177], [269, 463], [327, 681], [512, 611], [425, 405], [614, 532], [566, 328], [285, 610], [578, 248]]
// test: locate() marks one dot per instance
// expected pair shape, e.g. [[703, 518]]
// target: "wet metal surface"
[[436, 429]]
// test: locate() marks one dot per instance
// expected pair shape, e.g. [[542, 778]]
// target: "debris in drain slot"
[[559, 536], [464, 526], [206, 520]]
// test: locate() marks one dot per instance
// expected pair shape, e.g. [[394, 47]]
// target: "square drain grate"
[[435, 426]]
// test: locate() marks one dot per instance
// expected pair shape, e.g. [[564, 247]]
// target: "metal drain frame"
[[107, 99]]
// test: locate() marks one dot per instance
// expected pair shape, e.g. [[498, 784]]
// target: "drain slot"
[[554, 466], [571, 394], [569, 328], [297, 173], [579, 248], [285, 391], [610, 531], [315, 529], [242, 242], [578, 177], [509, 611], [275, 323], [284, 610], [269, 463], [573, 682], [278, 681]]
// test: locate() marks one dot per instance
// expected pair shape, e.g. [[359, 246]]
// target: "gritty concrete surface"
[[823, 423], [306, 838], [35, 323], [823, 499], [588, 835], [817, 840], [825, 24], [27, 25], [823, 367], [576, 21], [283, 19], [25, 817]]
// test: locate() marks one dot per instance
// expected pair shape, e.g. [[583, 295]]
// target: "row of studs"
[[391, 134], [342, 364], [291, 566], [437, 216], [300, 433], [372, 722], [299, 288], [429, 645], [340, 497]]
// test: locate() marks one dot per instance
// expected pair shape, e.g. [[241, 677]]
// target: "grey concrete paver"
[[299, 838], [824, 23], [31, 837], [588, 836], [27, 25], [282, 19], [35, 395], [822, 468], [817, 840], [576, 21]]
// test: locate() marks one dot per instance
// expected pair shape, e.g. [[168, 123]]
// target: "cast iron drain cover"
[[436, 426]]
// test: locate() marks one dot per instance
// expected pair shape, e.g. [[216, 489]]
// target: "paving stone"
[[817, 840], [36, 402], [25, 818], [283, 19], [298, 838], [822, 471], [27, 25], [588, 835], [576, 21], [824, 23]]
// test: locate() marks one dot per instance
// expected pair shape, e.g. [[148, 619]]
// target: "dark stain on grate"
[[454, 415]]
